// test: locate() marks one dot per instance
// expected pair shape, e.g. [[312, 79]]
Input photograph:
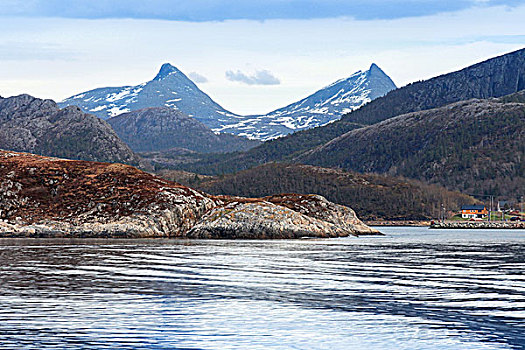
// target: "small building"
[[474, 212]]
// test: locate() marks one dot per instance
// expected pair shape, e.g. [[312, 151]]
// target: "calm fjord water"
[[413, 289]]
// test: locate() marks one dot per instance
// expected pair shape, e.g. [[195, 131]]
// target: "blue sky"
[[250, 56], [214, 10]]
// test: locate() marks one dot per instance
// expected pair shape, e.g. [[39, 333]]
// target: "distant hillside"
[[475, 146], [371, 196], [496, 77], [29, 124], [320, 108], [214, 164], [163, 128]]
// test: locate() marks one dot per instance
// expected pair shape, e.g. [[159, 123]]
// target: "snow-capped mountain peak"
[[322, 107], [166, 70], [172, 88]]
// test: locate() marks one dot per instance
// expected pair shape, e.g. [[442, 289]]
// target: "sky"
[[250, 56]]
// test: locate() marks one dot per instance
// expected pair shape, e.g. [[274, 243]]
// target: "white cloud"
[[260, 77]]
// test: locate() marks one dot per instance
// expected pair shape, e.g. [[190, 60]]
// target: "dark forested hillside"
[[496, 77], [372, 196], [475, 146], [280, 149]]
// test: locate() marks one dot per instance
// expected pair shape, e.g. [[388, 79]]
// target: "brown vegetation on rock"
[[73, 196]]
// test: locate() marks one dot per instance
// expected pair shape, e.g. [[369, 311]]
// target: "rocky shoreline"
[[478, 225], [413, 223], [51, 197]]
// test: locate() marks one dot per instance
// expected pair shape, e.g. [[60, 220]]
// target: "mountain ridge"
[[507, 72], [172, 88], [169, 88], [324, 106], [474, 146], [495, 77]]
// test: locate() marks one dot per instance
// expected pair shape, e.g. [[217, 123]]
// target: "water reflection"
[[413, 289]]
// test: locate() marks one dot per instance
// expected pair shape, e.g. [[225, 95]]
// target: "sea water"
[[413, 288]]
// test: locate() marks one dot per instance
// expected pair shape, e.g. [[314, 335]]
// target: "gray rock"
[[320, 208], [505, 225], [288, 217]]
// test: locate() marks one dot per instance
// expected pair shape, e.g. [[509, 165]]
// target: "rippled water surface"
[[412, 289]]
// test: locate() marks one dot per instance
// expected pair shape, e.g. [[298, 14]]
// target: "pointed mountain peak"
[[166, 70], [374, 68], [377, 73]]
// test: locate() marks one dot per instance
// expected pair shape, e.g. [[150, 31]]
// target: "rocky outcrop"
[[284, 216], [318, 207], [29, 124], [43, 196], [50, 197]]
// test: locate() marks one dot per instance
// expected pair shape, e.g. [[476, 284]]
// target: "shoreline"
[[479, 225], [413, 223]]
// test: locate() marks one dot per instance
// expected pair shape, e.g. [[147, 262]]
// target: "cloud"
[[220, 10], [197, 78], [260, 77]]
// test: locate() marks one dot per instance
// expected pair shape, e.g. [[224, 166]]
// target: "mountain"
[[170, 88], [29, 124], [495, 77], [475, 146], [372, 196], [320, 108], [163, 128]]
